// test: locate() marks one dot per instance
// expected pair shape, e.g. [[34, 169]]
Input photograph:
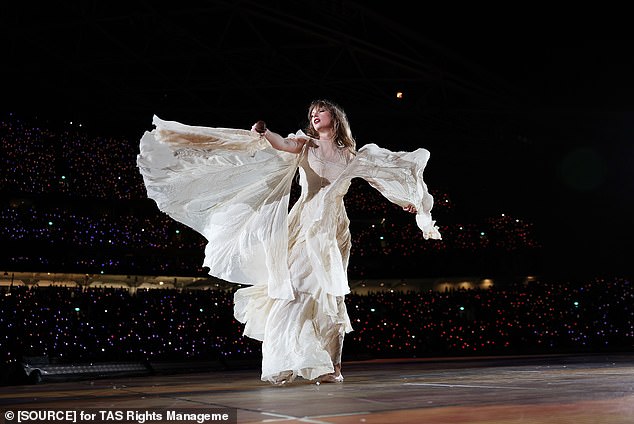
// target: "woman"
[[233, 187]]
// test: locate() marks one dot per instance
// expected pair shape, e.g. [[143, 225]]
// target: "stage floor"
[[553, 389]]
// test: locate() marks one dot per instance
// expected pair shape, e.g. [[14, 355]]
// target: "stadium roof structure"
[[228, 63], [466, 76]]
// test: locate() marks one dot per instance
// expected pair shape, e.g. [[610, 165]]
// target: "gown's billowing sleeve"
[[398, 176], [232, 187]]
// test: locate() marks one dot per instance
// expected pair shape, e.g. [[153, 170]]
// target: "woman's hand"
[[259, 127], [410, 208], [255, 129]]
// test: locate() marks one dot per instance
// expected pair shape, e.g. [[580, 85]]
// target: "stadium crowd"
[[99, 324]]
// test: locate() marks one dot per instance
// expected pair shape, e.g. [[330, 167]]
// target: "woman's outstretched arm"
[[289, 144]]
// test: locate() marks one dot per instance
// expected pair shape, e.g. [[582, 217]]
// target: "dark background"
[[526, 112]]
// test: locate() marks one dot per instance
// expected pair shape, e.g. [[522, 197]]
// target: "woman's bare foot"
[[334, 377], [330, 378], [283, 378]]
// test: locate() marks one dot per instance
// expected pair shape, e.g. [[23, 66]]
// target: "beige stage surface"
[[576, 389]]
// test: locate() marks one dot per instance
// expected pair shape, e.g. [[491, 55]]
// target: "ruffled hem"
[[299, 337]]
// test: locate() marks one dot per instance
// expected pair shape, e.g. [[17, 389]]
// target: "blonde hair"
[[341, 127]]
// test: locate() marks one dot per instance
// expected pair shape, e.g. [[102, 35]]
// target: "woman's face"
[[320, 118]]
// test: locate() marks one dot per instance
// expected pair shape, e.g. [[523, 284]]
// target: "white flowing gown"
[[232, 187]]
